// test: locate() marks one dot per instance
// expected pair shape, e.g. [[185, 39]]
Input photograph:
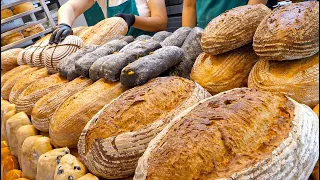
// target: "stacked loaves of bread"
[[16, 36], [32, 30], [23, 7]]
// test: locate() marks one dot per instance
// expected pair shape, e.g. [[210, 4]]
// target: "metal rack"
[[34, 21]]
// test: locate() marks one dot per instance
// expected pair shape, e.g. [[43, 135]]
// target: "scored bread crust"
[[298, 153], [9, 59]]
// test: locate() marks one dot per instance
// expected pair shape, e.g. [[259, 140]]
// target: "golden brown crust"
[[223, 135], [224, 71], [17, 36], [298, 79], [233, 28], [12, 72], [22, 8], [9, 59], [289, 32], [5, 13], [32, 30], [79, 30]]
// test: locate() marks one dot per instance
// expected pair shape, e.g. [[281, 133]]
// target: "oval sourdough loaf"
[[24, 82], [238, 134], [289, 32], [23, 7], [177, 38], [13, 174], [73, 114], [45, 107], [161, 36], [79, 30], [114, 139], [12, 72], [23, 133], [105, 30], [36, 90], [5, 13], [224, 71], [88, 176], [299, 79], [69, 168], [233, 29], [32, 148], [54, 53], [4, 143], [48, 161], [143, 38], [37, 56], [9, 59], [7, 164]]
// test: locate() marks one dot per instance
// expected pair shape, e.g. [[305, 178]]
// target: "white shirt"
[[142, 6]]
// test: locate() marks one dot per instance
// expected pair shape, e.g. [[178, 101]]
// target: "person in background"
[[201, 12], [141, 16]]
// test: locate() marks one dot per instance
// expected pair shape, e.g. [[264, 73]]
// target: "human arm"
[[189, 13], [257, 2]]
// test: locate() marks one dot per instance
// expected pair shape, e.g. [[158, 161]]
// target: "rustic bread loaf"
[[143, 38], [79, 30], [24, 82], [45, 38], [35, 91], [23, 133], [48, 161], [161, 36], [73, 114], [177, 37], [12, 72], [32, 30], [23, 7], [7, 164], [45, 107], [38, 55], [297, 79], [88, 176], [5, 151], [289, 32], [13, 174], [54, 53], [83, 64], [224, 71], [233, 29], [9, 59], [32, 148], [105, 30], [141, 71], [69, 168], [5, 13], [114, 139], [12, 126], [238, 134], [6, 88], [17, 36]]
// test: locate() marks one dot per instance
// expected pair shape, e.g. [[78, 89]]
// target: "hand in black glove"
[[129, 18], [60, 33]]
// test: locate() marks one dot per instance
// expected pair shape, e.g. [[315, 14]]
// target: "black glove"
[[129, 18], [60, 33]]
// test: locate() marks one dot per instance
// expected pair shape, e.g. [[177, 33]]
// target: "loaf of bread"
[[45, 38], [88, 176], [32, 148], [73, 114], [224, 71], [5, 13], [79, 30], [69, 168], [289, 32], [6, 88], [48, 161], [17, 36], [25, 81], [238, 134], [105, 30], [32, 30], [298, 79], [233, 29], [12, 126], [37, 55], [143, 38], [23, 7], [5, 151], [12, 72], [23, 133], [25, 57], [9, 59], [161, 36], [177, 37], [114, 139], [36, 90], [66, 66], [54, 53], [82, 33], [7, 164], [13, 174], [45, 107]]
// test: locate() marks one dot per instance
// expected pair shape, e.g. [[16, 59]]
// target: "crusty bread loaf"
[[23, 133], [5, 13], [177, 38], [54, 53], [34, 55], [25, 81], [114, 139], [79, 30], [105, 30], [289, 32], [46, 37], [233, 29], [48, 161], [46, 106], [17, 36], [69, 168], [299, 79], [238, 134], [23, 7], [12, 72], [9, 59], [36, 90], [32, 30], [73, 114], [224, 71]]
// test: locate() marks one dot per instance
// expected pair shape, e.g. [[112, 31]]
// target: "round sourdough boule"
[[5, 13], [289, 32], [238, 134], [54, 53], [69, 168], [32, 30], [23, 7], [9, 59], [114, 139], [298, 79], [233, 29], [224, 71]]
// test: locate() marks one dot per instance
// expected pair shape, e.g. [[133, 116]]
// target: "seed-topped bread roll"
[[9, 59], [233, 29], [32, 30], [69, 168], [23, 7], [114, 139], [289, 32], [238, 134]]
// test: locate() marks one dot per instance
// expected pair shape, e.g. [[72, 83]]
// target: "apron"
[[209, 9], [128, 7]]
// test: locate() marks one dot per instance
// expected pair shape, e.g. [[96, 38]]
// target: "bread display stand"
[[34, 21]]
